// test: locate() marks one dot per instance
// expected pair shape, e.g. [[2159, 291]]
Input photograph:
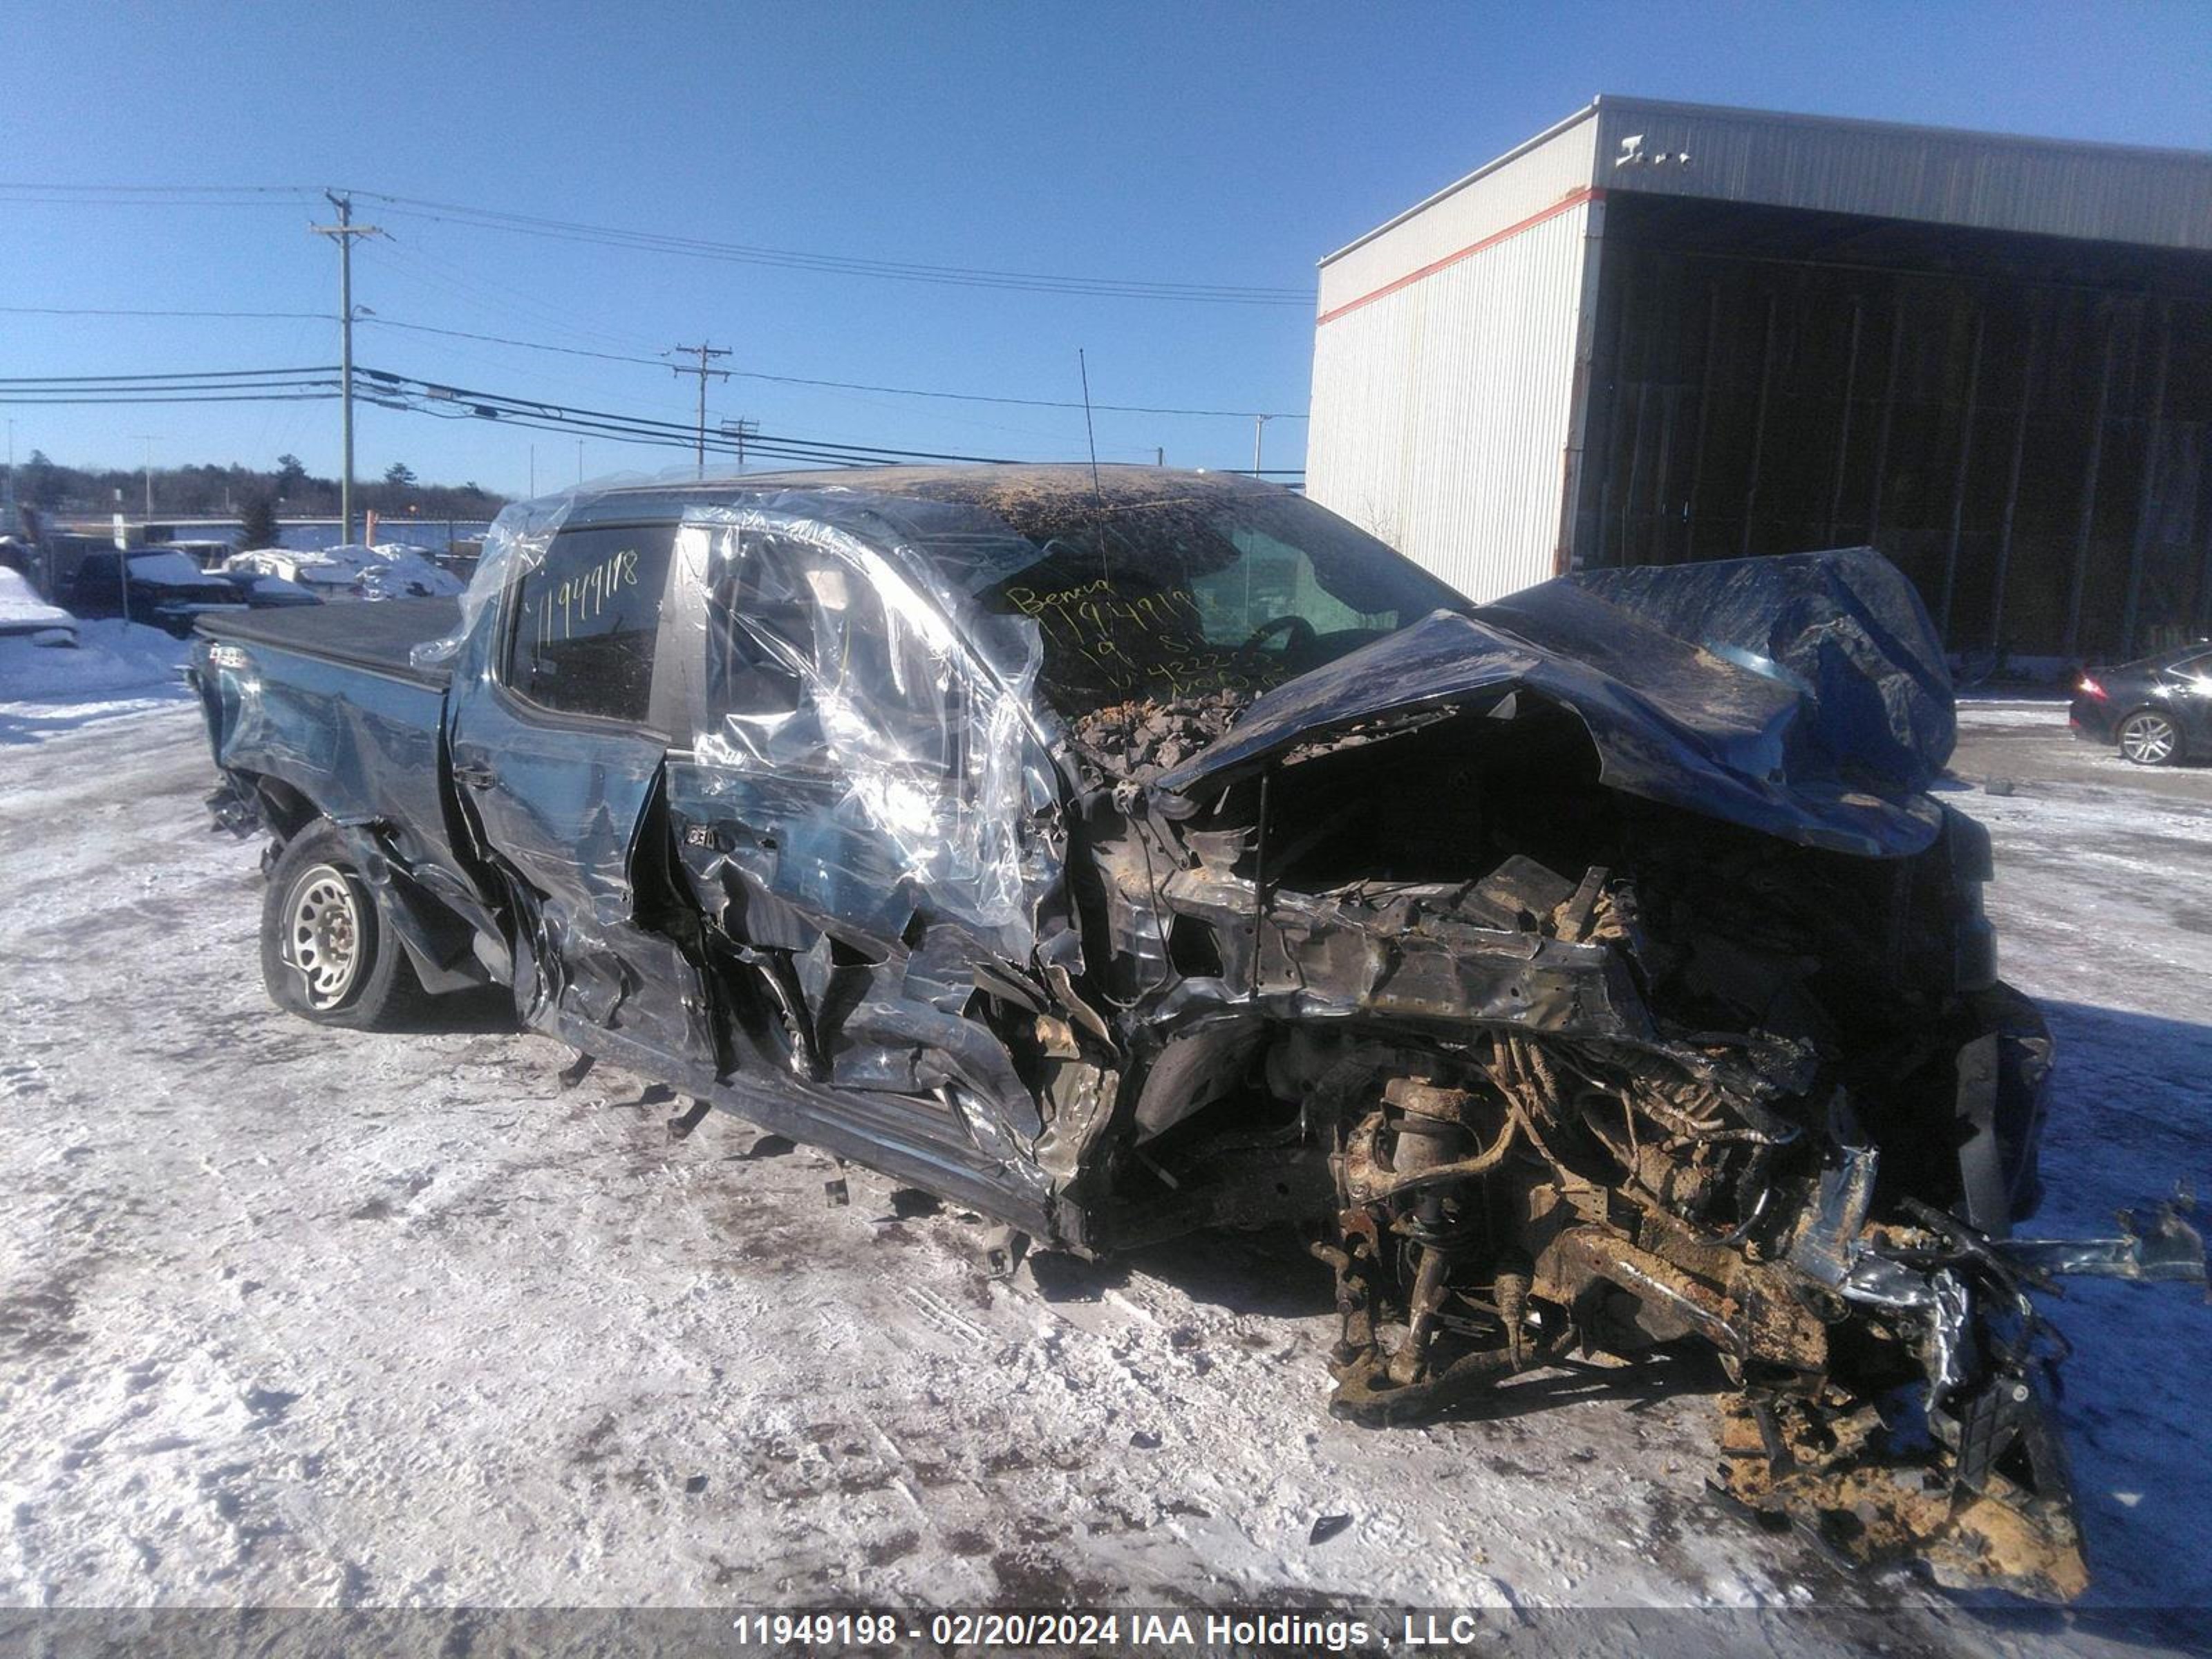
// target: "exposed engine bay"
[[1648, 1078]]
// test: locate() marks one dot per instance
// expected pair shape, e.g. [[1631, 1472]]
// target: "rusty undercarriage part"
[[1530, 1198], [1663, 1084]]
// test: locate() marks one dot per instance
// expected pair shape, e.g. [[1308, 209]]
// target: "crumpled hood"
[[1804, 696]]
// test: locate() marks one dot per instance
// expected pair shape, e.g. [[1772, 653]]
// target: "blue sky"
[[1226, 145]]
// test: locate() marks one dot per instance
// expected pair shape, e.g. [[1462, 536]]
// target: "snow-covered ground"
[[316, 1318], [115, 668]]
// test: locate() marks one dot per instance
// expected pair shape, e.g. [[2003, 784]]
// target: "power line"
[[507, 340], [89, 311], [185, 375], [413, 394], [838, 386], [1025, 403], [842, 264], [833, 265], [373, 321], [662, 242], [134, 399], [108, 191], [472, 287], [495, 405], [15, 196]]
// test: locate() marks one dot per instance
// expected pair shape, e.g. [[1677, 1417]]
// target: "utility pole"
[[533, 472], [1159, 456], [1259, 426], [702, 352], [579, 462], [343, 233], [148, 440], [740, 430], [9, 527]]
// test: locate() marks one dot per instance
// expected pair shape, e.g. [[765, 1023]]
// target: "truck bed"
[[372, 634]]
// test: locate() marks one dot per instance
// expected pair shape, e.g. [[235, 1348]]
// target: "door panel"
[[563, 778], [831, 822]]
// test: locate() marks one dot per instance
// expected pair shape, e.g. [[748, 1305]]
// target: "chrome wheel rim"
[[323, 934], [2147, 739]]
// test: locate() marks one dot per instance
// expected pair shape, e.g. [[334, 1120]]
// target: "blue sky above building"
[[1227, 146]]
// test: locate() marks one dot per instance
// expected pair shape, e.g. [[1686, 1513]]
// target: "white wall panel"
[[1440, 410]]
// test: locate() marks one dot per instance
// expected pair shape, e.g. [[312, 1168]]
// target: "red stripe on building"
[[1573, 200]]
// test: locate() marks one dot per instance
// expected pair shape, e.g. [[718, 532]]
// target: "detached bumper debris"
[[2169, 1249]]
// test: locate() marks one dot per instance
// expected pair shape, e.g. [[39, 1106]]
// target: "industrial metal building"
[[1660, 332]]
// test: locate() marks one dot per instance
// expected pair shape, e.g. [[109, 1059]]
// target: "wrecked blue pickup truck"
[[1125, 853]]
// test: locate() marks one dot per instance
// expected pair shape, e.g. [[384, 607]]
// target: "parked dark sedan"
[[166, 590], [2158, 709]]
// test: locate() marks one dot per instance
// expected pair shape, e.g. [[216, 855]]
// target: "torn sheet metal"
[[2165, 1248], [1845, 631], [1814, 757]]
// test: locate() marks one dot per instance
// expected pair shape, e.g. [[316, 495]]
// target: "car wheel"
[[2149, 738], [325, 952]]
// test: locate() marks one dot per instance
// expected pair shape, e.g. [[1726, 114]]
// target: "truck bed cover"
[[375, 635]]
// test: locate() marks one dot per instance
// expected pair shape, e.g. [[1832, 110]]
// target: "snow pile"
[[166, 570], [390, 570], [22, 612], [116, 668], [396, 571], [321, 573]]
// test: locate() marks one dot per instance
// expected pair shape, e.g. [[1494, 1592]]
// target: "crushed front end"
[[1585, 1017]]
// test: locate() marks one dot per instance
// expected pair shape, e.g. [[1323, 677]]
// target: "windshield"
[[1173, 598]]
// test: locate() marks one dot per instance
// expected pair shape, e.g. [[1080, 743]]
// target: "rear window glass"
[[587, 621]]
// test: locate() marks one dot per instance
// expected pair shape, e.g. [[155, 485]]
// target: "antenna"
[[1084, 369], [1097, 494]]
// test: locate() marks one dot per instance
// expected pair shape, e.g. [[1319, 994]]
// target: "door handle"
[[475, 773]]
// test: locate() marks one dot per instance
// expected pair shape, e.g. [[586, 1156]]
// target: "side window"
[[587, 621], [1271, 579], [800, 630], [764, 631]]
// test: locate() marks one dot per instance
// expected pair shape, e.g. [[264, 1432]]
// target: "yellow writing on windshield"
[[1153, 640]]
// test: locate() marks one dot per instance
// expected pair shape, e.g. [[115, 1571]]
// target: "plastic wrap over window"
[[516, 542], [833, 654]]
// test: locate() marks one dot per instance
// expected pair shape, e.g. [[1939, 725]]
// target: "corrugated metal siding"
[[1478, 207], [1441, 411], [2101, 192]]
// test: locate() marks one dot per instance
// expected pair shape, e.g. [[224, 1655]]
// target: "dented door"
[[558, 747], [848, 821]]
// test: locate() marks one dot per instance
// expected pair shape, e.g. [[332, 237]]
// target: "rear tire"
[[326, 954], [2149, 738]]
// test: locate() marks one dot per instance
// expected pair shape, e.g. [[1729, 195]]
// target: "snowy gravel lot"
[[291, 1317]]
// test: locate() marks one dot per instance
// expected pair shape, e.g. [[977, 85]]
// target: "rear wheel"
[[2149, 738], [325, 952]]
